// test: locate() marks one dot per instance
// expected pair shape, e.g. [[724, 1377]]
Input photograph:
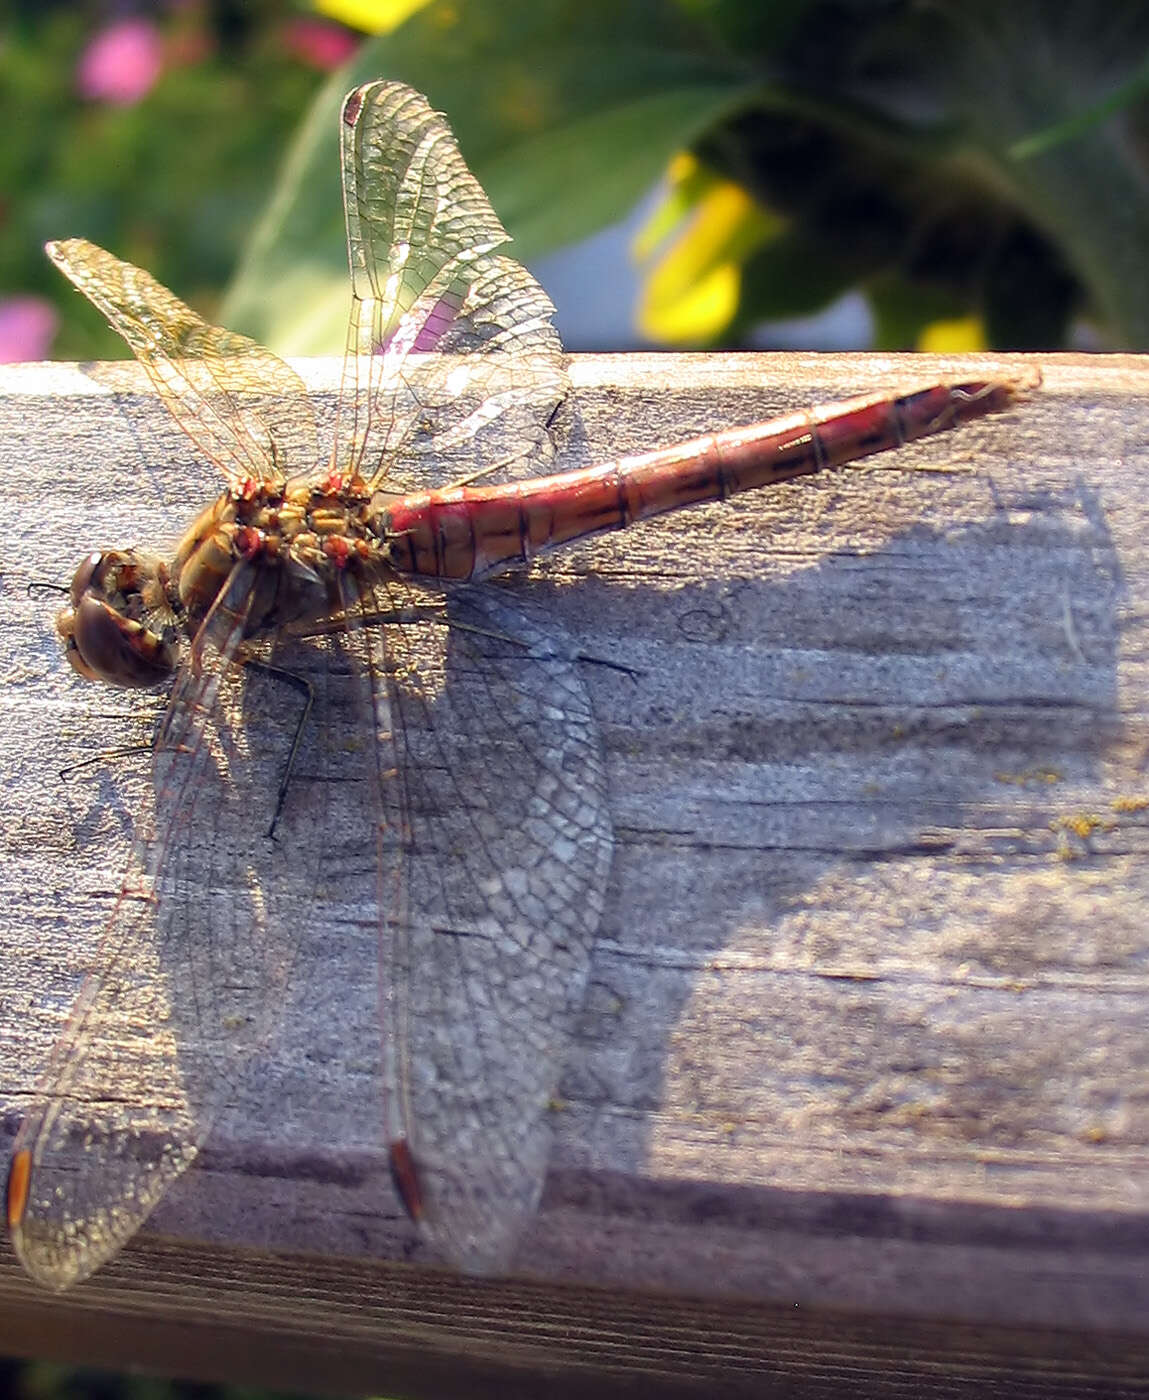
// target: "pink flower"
[[121, 63], [27, 325], [322, 45]]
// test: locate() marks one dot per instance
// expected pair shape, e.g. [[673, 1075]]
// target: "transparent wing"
[[453, 367], [240, 404], [495, 864], [189, 978]]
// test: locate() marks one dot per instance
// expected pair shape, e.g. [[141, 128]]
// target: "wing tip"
[[353, 103], [405, 1175], [17, 1189], [373, 94]]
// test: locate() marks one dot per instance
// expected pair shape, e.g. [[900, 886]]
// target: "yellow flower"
[[371, 16], [707, 227], [965, 333]]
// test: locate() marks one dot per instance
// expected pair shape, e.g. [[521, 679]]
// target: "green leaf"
[[567, 113], [590, 172]]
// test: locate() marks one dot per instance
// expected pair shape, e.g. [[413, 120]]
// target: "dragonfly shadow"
[[442, 955], [812, 784], [839, 800]]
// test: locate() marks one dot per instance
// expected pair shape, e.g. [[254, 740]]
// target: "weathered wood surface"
[[868, 1022]]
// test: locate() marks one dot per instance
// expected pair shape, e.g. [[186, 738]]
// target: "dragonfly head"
[[109, 629]]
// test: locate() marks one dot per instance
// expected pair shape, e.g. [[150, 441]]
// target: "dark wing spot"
[[351, 106]]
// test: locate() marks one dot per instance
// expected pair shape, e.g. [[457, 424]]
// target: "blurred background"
[[893, 174]]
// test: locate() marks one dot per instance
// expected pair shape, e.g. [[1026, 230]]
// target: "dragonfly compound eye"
[[105, 635]]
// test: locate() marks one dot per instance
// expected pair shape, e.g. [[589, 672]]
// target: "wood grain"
[[866, 1027]]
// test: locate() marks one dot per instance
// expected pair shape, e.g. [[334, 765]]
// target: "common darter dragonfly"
[[489, 841]]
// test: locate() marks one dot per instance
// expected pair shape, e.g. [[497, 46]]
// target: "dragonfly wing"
[[453, 367], [494, 792], [241, 405], [189, 976]]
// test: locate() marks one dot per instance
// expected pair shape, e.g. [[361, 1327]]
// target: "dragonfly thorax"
[[290, 545]]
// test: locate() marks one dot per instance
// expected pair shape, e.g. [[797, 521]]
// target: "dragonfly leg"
[[307, 690], [591, 660], [73, 768], [339, 622], [548, 427], [632, 671], [120, 751], [409, 616]]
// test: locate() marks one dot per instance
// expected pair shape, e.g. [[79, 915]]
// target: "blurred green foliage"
[[173, 182], [567, 113], [951, 158]]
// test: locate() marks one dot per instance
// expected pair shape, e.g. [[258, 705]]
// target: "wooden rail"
[[860, 1090]]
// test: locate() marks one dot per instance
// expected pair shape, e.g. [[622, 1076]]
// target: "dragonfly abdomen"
[[469, 532]]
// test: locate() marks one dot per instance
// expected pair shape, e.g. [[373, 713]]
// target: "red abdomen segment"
[[467, 532]]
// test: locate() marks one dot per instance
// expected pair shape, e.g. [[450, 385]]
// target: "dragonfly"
[[480, 855]]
